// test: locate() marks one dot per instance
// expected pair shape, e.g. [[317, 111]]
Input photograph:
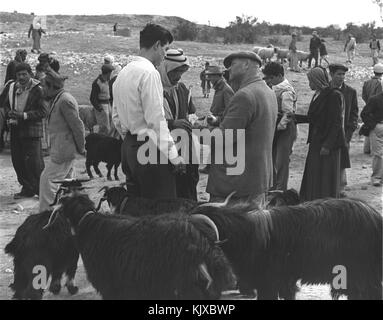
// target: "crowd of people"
[[147, 98]]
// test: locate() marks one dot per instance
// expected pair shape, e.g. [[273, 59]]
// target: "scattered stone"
[[8, 271], [364, 167], [364, 188]]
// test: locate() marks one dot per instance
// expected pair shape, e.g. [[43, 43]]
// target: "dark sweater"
[[372, 113]]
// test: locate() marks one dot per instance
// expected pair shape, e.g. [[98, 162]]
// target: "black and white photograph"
[[206, 151]]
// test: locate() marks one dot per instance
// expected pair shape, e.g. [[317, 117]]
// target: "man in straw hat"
[[254, 109], [67, 136]]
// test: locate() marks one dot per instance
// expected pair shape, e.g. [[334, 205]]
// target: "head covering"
[[241, 55], [106, 68], [43, 57], [378, 68], [294, 34], [108, 59], [116, 71], [337, 66], [23, 66], [319, 77], [174, 59], [55, 78], [315, 33], [213, 70]]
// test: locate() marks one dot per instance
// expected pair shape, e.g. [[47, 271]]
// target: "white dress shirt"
[[138, 104]]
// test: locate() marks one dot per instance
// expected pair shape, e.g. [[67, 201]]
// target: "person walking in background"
[[323, 52], [371, 88], [350, 48], [115, 29], [321, 176], [351, 115], [253, 108], [67, 136], [293, 55], [100, 96], [138, 97], [315, 44], [10, 73], [372, 116], [205, 84], [178, 106], [286, 129], [24, 109], [375, 50], [36, 31]]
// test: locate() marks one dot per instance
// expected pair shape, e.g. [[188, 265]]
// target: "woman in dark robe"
[[321, 177], [178, 106]]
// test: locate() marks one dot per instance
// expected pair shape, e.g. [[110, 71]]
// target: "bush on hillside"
[[185, 31]]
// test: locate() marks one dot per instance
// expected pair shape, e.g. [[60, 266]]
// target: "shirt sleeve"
[[288, 101], [116, 121], [152, 103]]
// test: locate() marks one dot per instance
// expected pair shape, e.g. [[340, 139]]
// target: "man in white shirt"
[[138, 112]]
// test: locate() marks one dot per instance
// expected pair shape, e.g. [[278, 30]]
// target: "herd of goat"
[[181, 249], [283, 55]]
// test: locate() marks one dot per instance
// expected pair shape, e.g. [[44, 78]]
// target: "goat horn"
[[275, 191], [52, 217], [106, 188], [203, 268], [219, 204], [209, 222], [99, 203]]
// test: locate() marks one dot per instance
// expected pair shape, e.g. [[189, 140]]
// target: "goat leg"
[[115, 172], [88, 163]]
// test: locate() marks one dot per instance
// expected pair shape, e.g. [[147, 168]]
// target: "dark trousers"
[[314, 55], [282, 149], [153, 181], [187, 183], [27, 161]]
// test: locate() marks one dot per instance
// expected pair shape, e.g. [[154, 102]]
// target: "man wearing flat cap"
[[100, 99], [24, 109], [351, 114], [253, 108], [66, 133]]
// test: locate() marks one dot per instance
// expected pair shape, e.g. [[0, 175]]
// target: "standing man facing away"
[[100, 98], [66, 133], [350, 48], [315, 44], [205, 84], [24, 109], [138, 97], [286, 130], [351, 114], [375, 49], [371, 88], [253, 108]]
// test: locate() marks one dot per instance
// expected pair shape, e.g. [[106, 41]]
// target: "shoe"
[[23, 195]]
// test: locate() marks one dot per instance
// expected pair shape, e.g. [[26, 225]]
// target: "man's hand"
[[182, 124], [179, 165], [324, 151], [13, 114]]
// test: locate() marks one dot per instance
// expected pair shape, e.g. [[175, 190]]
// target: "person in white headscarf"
[[178, 106]]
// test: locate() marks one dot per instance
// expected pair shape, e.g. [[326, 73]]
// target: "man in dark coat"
[[315, 44], [25, 110], [253, 109], [351, 114]]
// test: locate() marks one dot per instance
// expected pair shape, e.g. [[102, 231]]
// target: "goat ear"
[[53, 217]]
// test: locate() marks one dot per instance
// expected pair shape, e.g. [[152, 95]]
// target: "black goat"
[[53, 248], [154, 257], [283, 198], [120, 203], [100, 148], [271, 250]]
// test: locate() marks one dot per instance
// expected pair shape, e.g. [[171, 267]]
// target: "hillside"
[[19, 22]]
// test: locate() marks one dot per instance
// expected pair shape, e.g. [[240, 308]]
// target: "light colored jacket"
[[286, 98], [66, 130]]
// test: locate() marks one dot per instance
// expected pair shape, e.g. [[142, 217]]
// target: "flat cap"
[[55, 78], [378, 68], [337, 66], [213, 70], [241, 55]]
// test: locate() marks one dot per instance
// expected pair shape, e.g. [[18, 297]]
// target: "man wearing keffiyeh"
[[178, 105]]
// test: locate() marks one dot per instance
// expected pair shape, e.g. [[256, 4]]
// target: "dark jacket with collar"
[[35, 109], [372, 113], [351, 111]]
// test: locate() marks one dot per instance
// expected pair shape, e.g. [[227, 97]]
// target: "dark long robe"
[[321, 177]]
